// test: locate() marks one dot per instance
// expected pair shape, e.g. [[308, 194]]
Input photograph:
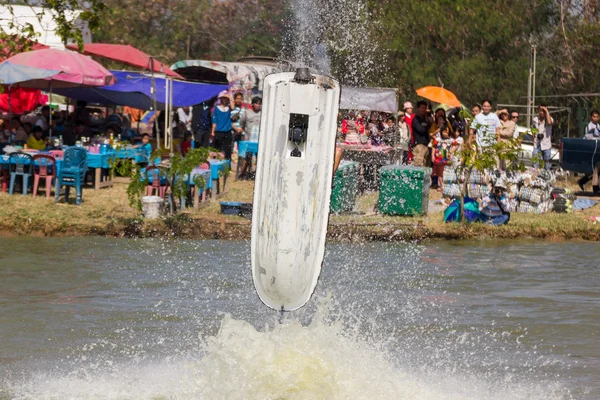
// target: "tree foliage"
[[196, 29], [475, 48], [20, 34]]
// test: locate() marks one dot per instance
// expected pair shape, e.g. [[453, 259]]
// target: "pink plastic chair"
[[57, 153], [159, 183], [44, 168]]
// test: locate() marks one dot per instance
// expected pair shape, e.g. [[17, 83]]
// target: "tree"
[[196, 29], [17, 36], [473, 157]]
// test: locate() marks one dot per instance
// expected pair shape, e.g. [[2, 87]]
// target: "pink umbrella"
[[76, 69]]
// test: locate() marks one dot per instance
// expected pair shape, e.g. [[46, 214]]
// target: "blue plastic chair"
[[20, 164], [72, 174]]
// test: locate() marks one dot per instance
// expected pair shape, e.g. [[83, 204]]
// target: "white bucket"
[[152, 206]]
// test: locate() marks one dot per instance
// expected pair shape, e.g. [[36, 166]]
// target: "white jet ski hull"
[[292, 192]]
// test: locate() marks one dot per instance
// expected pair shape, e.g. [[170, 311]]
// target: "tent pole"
[[170, 112], [166, 111], [155, 122]]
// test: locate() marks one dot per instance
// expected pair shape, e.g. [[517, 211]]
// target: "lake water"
[[94, 318]]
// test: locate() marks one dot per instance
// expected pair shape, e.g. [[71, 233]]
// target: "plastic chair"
[[57, 153], [44, 167], [72, 174], [20, 164], [4, 177], [160, 183]]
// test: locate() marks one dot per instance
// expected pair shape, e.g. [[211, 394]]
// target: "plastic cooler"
[[404, 190], [345, 186]]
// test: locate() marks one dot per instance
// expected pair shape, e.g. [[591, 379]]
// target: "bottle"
[[112, 140], [60, 141]]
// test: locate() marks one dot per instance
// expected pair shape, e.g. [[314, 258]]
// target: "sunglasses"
[[514, 117]]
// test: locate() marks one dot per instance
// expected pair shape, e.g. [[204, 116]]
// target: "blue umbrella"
[[11, 74]]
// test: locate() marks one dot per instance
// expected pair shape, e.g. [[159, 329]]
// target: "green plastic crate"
[[345, 186], [404, 190]]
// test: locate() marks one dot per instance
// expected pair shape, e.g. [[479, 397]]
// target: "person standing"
[[592, 132], [185, 118], [44, 120], [542, 141], [408, 118], [507, 127], [420, 128], [475, 110], [506, 131], [250, 124], [201, 124], [237, 113], [484, 126], [514, 117], [221, 133]]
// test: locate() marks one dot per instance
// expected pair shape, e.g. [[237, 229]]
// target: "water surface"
[[129, 319]]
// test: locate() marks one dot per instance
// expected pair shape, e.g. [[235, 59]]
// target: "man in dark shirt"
[[420, 130], [201, 124]]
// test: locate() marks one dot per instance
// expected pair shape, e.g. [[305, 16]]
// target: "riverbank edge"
[[184, 226]]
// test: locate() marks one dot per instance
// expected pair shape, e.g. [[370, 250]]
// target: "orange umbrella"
[[439, 95]]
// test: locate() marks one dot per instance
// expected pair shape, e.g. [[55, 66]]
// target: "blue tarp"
[[135, 90]]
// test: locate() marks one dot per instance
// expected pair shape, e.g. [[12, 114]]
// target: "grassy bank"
[[107, 213]]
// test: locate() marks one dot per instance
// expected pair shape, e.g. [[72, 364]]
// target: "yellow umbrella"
[[439, 95]]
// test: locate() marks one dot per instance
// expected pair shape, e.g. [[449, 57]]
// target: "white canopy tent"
[[370, 99]]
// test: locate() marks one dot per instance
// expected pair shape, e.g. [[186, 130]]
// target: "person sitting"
[[36, 142], [144, 144], [71, 136], [16, 132], [186, 145], [494, 206]]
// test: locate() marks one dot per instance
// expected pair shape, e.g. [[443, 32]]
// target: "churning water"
[[336, 38], [93, 318]]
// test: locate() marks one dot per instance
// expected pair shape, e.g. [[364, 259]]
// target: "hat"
[[400, 113], [407, 105], [500, 183], [224, 93], [502, 111]]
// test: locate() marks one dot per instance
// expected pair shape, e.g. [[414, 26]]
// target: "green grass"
[[107, 212]]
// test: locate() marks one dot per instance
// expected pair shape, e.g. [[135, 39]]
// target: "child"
[[145, 144], [441, 141], [186, 145]]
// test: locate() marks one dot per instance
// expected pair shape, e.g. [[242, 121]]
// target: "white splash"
[[323, 360], [335, 37]]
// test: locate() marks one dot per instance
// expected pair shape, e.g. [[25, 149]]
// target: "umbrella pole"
[[155, 122], [9, 107], [50, 123]]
